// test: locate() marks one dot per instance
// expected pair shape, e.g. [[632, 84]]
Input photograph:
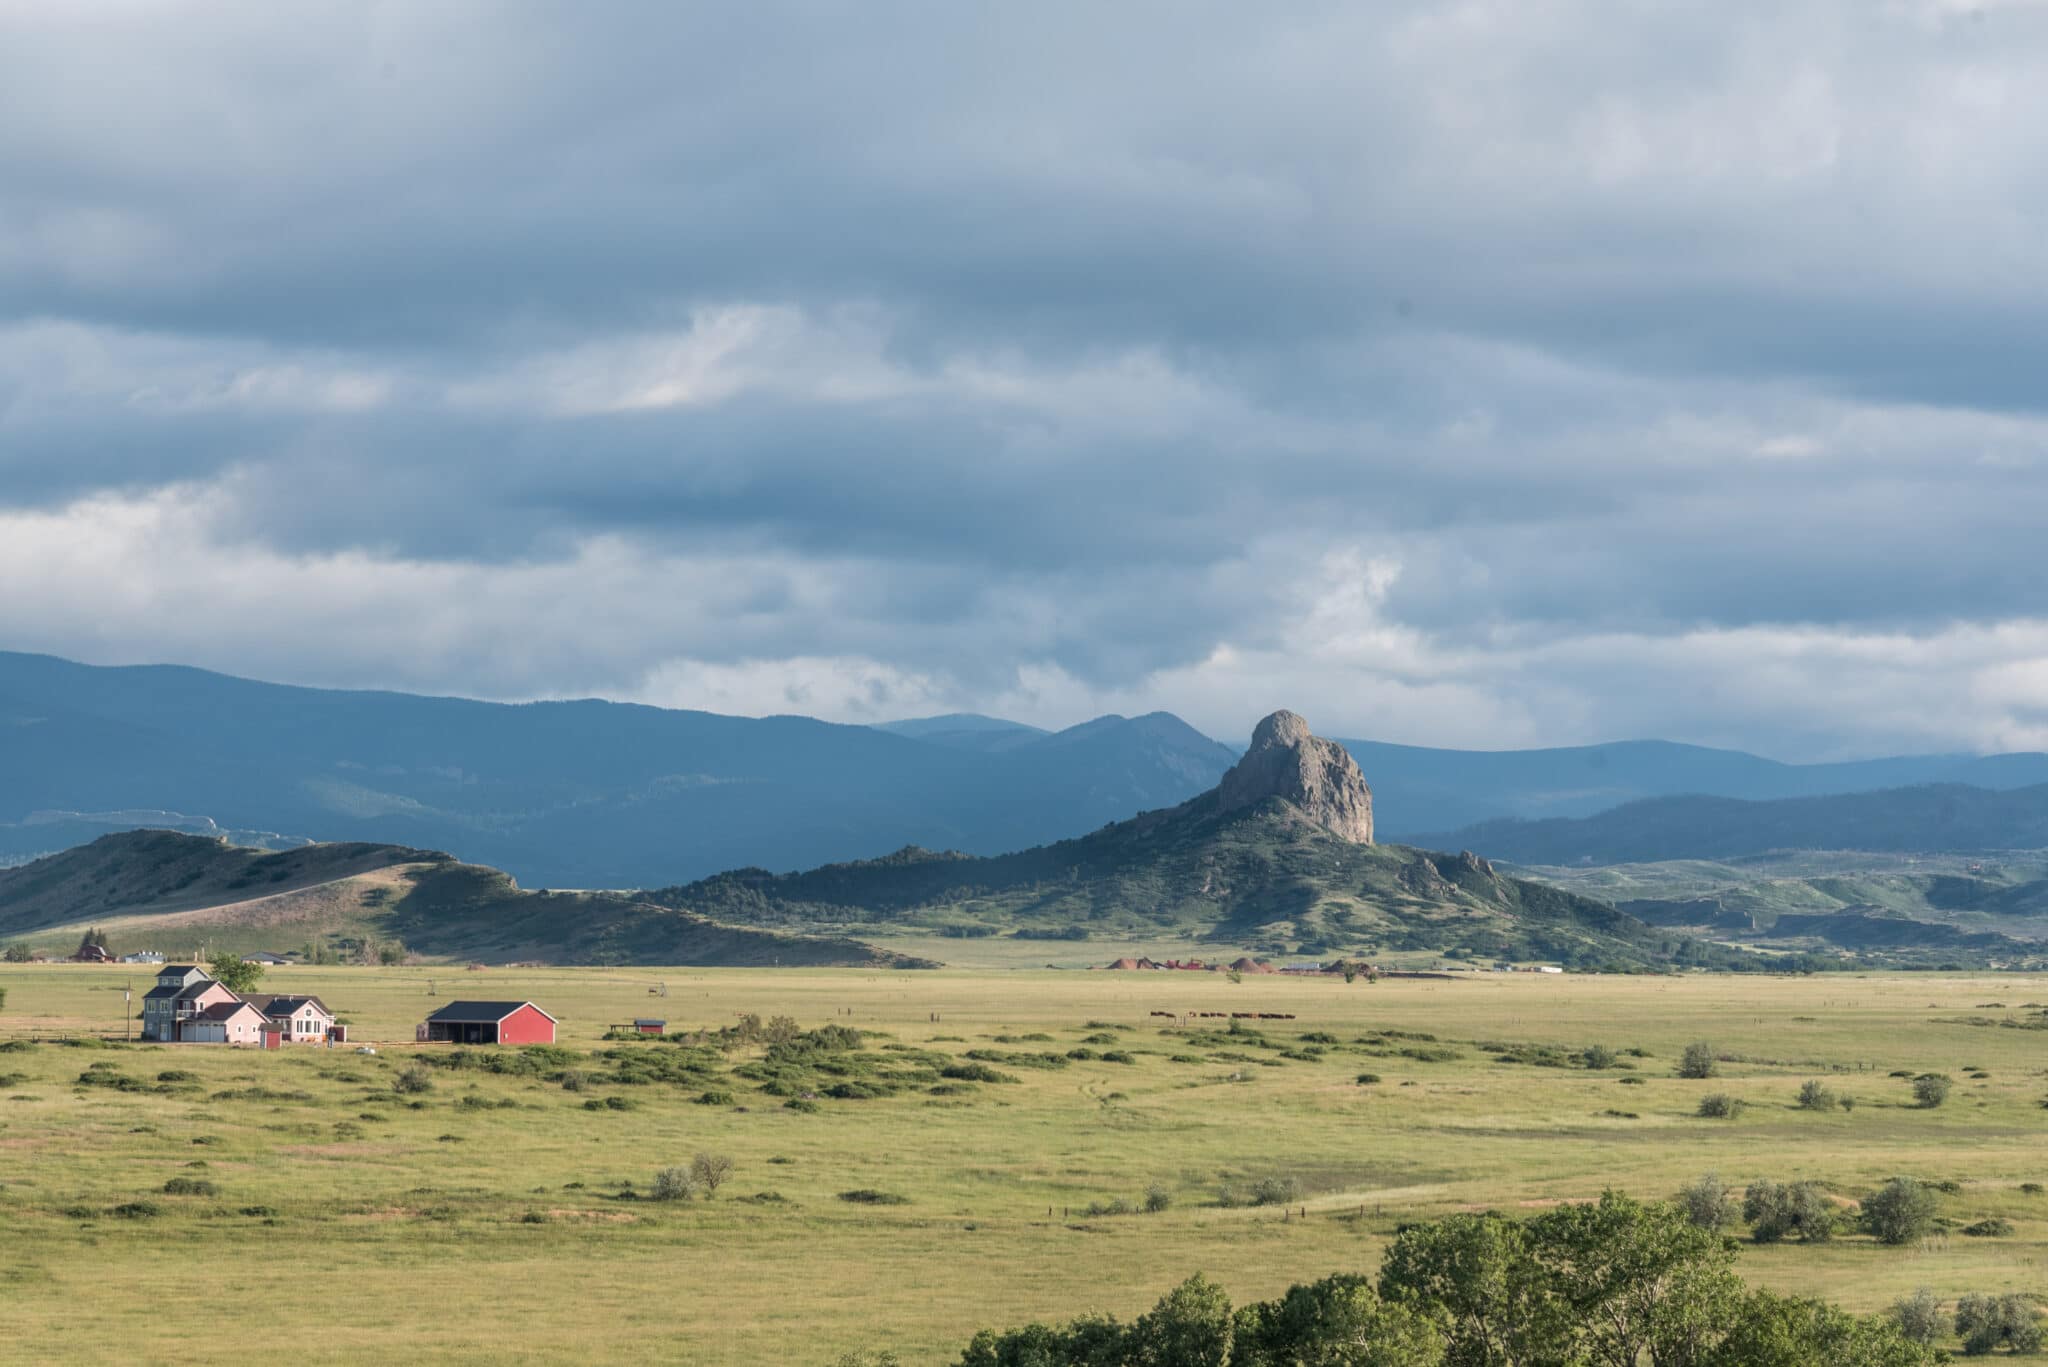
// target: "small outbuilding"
[[488, 1023], [650, 1027]]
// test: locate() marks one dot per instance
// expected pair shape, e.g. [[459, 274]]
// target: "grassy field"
[[488, 1225]]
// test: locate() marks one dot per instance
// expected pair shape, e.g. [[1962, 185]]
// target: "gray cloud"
[[1477, 370]]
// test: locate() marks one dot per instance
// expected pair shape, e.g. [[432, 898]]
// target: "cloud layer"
[[1474, 374]]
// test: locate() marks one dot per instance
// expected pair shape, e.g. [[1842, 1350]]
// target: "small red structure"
[[650, 1027], [489, 1023]]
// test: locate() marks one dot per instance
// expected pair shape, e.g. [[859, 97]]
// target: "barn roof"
[[480, 1013], [639, 1020]]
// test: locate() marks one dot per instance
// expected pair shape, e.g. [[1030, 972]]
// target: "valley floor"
[[486, 1219]]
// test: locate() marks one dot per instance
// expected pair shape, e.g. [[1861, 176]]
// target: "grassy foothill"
[[991, 1149]]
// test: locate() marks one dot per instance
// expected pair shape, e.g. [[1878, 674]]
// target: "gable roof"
[[283, 1004], [481, 1013], [222, 1011]]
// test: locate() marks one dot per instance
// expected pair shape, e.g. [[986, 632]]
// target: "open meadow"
[[320, 1209]]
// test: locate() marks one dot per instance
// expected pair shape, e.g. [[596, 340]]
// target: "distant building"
[[650, 1027], [266, 957], [187, 1006], [143, 956], [92, 954], [488, 1023], [300, 1019]]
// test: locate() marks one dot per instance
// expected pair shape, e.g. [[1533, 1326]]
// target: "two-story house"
[[188, 1006], [182, 991]]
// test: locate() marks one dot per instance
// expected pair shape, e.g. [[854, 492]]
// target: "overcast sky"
[[1470, 374]]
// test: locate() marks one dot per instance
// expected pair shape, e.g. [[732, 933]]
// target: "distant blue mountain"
[[597, 794], [561, 794], [1419, 791]]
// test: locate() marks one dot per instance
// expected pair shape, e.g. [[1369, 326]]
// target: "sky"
[[1465, 374]]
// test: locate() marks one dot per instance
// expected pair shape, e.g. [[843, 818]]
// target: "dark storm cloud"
[[965, 345]]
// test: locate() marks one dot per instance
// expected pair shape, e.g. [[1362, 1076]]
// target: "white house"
[[303, 1019]]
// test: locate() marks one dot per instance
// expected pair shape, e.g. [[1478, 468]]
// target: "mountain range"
[[1931, 818], [593, 794]]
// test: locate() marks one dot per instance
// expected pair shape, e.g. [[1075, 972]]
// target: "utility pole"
[[128, 1009]]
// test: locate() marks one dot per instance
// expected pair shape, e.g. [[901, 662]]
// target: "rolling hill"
[[1258, 860], [177, 893]]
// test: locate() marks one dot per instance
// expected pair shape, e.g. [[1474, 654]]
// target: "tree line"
[[1611, 1283]]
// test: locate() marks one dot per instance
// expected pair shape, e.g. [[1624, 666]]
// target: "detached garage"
[[488, 1023]]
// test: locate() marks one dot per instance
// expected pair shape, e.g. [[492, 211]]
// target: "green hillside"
[[1913, 909], [1266, 877], [173, 892]]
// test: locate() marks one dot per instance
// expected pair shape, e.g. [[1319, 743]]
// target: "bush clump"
[[1931, 1089], [189, 1186], [1706, 1202], [674, 1184], [1899, 1212], [412, 1081], [1698, 1061], [1814, 1096], [1718, 1106], [1985, 1323], [868, 1196], [1996, 1227], [1775, 1210], [1919, 1317]]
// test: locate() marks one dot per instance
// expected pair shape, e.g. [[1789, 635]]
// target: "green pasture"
[[487, 1220]]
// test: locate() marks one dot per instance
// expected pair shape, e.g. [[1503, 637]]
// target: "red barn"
[[489, 1023]]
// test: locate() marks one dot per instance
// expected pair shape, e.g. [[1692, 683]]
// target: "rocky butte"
[[1317, 776]]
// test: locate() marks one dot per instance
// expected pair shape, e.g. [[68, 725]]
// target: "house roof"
[[179, 968], [276, 1004], [221, 1011], [266, 957], [480, 1013], [639, 1020], [178, 993]]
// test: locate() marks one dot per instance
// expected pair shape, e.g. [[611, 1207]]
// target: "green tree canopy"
[[235, 973]]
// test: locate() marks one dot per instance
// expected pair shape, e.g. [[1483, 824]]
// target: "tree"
[[235, 973], [94, 938], [17, 953], [1706, 1202], [1597, 1057], [1899, 1212], [391, 953], [709, 1171], [1779, 1331], [1337, 1322], [1987, 1322], [1919, 1317], [1640, 1280], [1190, 1327], [1931, 1089], [1478, 1277], [1698, 1061]]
